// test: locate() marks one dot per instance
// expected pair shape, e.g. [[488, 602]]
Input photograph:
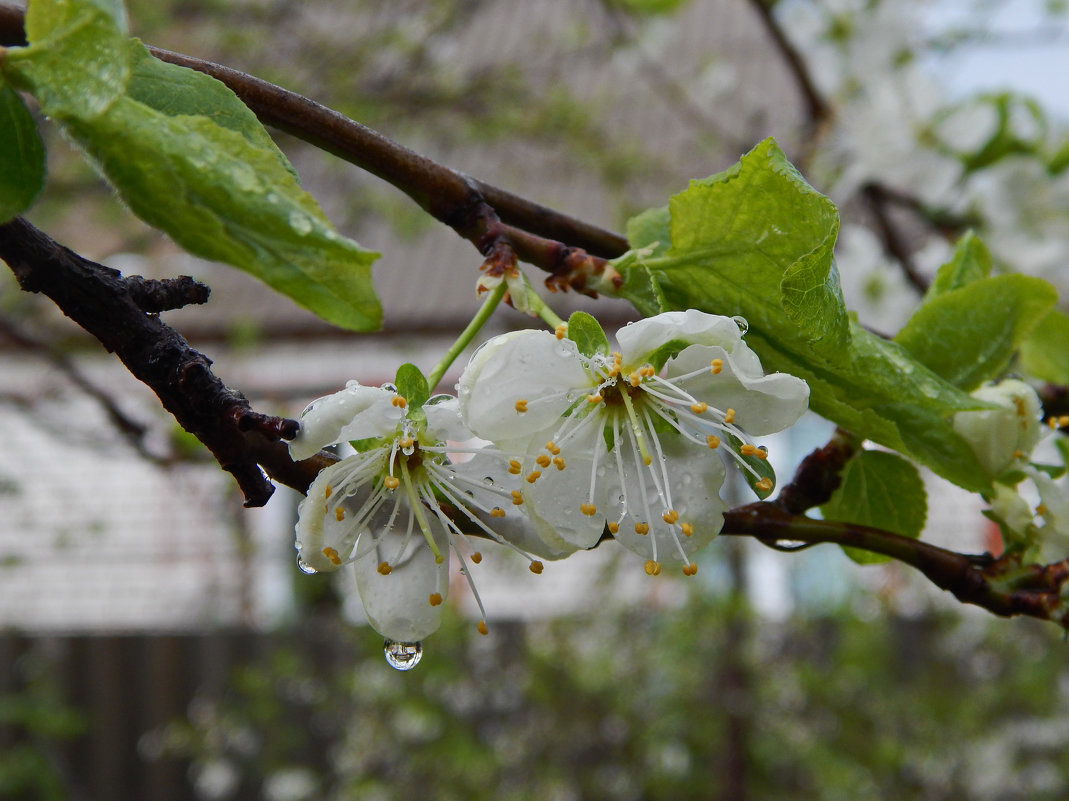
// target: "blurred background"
[[158, 642]]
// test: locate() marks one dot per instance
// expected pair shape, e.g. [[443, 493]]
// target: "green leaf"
[[971, 262], [1045, 352], [651, 229], [587, 334], [412, 385], [189, 158], [968, 335], [756, 240], [881, 490], [22, 156]]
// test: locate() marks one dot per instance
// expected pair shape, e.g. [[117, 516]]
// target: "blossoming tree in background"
[[561, 436]]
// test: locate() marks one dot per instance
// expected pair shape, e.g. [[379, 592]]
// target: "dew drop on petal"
[[488, 481], [402, 655], [304, 567], [389, 387], [741, 323]]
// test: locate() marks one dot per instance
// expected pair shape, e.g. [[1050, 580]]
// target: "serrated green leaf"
[[1045, 352], [968, 335], [651, 229], [587, 334], [756, 240], [219, 189], [412, 385], [881, 490], [22, 156], [971, 262]]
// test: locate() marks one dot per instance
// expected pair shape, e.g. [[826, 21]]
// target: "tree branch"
[[108, 306]]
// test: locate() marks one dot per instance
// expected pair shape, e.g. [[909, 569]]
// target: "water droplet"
[[300, 223], [304, 567], [402, 655], [389, 387], [488, 481], [622, 498], [409, 450], [741, 323]]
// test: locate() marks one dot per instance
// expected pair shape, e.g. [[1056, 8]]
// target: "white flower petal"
[[695, 476], [998, 436], [444, 423], [641, 338], [356, 412], [531, 366], [397, 605], [763, 404], [319, 528]]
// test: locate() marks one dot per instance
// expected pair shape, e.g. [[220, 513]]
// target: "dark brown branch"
[[100, 300], [817, 108]]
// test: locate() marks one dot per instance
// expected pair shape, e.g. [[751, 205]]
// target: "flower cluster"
[[583, 440]]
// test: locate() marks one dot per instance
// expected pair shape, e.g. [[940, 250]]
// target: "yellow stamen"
[[671, 516], [761, 453], [536, 567], [647, 371], [481, 628], [747, 449], [399, 401], [521, 406], [533, 476], [595, 398], [558, 462], [476, 557], [642, 528], [543, 460], [497, 511], [635, 379], [407, 442], [699, 407], [328, 491], [588, 509], [716, 365], [384, 568], [332, 555], [435, 599], [712, 441], [517, 497], [515, 467], [1041, 509], [687, 529], [765, 484], [552, 447], [652, 568], [690, 570], [1063, 421], [614, 527], [560, 331], [339, 514], [729, 416], [391, 482]]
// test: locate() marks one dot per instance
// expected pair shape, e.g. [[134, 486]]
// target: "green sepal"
[[881, 490], [668, 350], [22, 156], [761, 467], [1045, 352], [587, 334], [968, 335], [412, 386]]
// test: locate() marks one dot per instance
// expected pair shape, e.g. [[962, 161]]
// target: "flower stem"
[[467, 334]]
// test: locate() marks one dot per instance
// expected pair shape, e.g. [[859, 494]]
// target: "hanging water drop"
[[402, 655], [304, 567], [741, 323]]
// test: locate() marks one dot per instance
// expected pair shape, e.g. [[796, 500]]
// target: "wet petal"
[[695, 477], [763, 404], [397, 605], [444, 423], [531, 368], [645, 336], [325, 537], [356, 412]]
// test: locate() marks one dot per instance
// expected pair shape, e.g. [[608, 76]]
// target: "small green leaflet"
[[587, 334], [22, 156], [971, 262], [968, 335], [412, 386], [189, 158], [881, 490], [756, 240]]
